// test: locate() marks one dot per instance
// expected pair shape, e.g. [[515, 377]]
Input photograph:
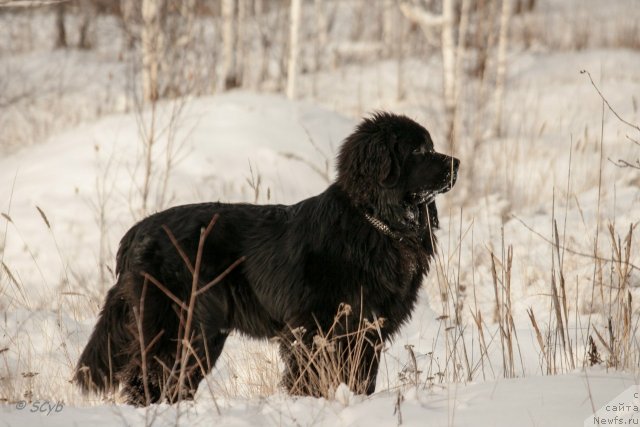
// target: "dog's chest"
[[409, 264], [410, 267]]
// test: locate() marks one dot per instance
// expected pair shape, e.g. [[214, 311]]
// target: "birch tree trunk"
[[228, 79], [88, 12], [388, 40], [460, 56], [187, 68], [501, 70], [417, 12], [242, 58], [151, 48], [321, 31], [320, 41], [448, 63], [61, 33], [128, 12], [294, 29]]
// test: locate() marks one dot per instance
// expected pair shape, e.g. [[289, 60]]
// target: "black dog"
[[366, 241]]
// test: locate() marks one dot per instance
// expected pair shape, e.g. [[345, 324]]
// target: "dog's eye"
[[419, 151]]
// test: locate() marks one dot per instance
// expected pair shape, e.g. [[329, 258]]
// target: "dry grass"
[[335, 356]]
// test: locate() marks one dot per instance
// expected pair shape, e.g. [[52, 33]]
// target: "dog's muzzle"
[[428, 196]]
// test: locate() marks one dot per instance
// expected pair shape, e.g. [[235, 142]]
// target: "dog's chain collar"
[[382, 227]]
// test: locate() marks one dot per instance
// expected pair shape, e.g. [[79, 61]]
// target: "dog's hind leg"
[[167, 378], [203, 355], [200, 355]]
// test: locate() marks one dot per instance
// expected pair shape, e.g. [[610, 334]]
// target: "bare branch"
[[29, 3], [421, 16], [292, 156], [221, 276], [175, 243], [166, 291], [624, 164], [607, 102]]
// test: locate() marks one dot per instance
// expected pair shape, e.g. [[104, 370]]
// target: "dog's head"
[[389, 169]]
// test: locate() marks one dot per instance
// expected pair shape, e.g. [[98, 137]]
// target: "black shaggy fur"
[[301, 262]]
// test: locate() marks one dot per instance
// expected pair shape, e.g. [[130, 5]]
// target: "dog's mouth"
[[429, 195], [425, 196]]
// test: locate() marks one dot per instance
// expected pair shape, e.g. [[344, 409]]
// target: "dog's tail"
[[103, 359]]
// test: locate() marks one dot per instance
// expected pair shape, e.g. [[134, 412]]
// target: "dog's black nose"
[[456, 163]]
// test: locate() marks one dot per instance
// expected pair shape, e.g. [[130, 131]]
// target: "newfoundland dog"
[[188, 276]]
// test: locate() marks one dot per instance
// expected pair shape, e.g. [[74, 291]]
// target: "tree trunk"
[[294, 30], [460, 56], [151, 48], [241, 51], [229, 78], [501, 70], [321, 31], [388, 25], [88, 12], [184, 76], [258, 8], [61, 40], [448, 63], [445, 22], [128, 12], [399, 42]]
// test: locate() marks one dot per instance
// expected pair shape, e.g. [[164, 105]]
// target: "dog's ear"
[[432, 214], [369, 158], [390, 164]]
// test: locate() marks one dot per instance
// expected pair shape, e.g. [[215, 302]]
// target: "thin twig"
[[166, 291], [175, 243], [607, 102], [221, 276]]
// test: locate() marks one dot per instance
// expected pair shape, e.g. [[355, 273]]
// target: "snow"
[[83, 168], [563, 400]]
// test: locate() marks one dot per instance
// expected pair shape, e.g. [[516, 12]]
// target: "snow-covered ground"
[[564, 400], [66, 200]]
